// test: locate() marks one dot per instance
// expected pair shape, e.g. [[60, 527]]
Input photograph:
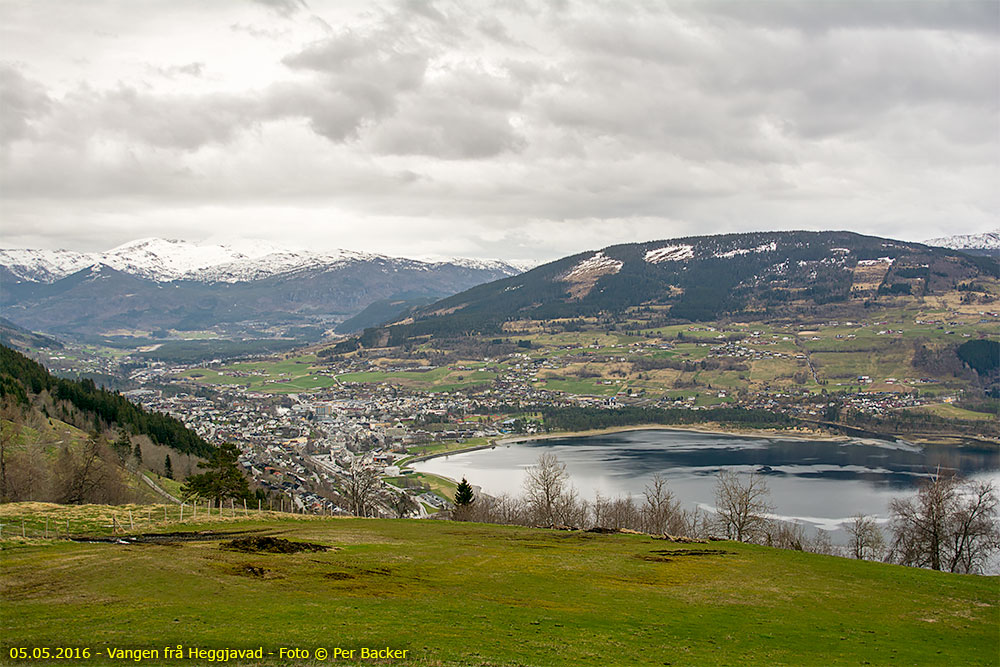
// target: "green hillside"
[[22, 380], [474, 594]]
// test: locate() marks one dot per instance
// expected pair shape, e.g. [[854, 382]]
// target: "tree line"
[[585, 419], [950, 524]]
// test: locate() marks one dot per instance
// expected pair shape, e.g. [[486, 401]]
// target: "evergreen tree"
[[222, 478], [137, 453], [168, 468], [122, 447], [463, 495]]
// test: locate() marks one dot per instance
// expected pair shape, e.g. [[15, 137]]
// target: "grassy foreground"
[[473, 594]]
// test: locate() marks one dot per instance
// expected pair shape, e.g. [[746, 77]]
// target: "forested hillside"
[[68, 441], [765, 275], [22, 379]]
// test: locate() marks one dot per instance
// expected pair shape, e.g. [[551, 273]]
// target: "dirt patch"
[[165, 538], [253, 571], [273, 545], [667, 555]]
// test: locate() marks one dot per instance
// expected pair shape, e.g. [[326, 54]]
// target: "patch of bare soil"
[[255, 544], [667, 555]]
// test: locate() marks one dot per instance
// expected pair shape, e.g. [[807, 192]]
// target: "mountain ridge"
[[166, 260], [700, 278]]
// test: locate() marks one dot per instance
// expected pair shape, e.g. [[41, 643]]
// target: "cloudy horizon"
[[510, 130]]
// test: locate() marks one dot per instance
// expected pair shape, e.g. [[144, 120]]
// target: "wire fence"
[[33, 521]]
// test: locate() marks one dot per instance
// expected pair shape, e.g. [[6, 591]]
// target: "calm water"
[[820, 483]]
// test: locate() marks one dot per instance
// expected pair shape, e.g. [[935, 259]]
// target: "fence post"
[[182, 511], [131, 523], [46, 527], [245, 507], [22, 528]]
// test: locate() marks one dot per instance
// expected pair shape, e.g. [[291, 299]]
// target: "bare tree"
[[403, 505], [661, 511], [742, 509], [785, 535], [621, 512], [949, 525], [550, 499], [360, 489], [865, 538], [11, 418], [821, 543]]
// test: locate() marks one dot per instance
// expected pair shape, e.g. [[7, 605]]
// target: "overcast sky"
[[508, 129]]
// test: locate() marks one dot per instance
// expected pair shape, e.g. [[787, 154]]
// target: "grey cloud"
[[195, 70], [22, 103], [168, 121], [625, 120], [284, 7], [824, 15], [361, 79]]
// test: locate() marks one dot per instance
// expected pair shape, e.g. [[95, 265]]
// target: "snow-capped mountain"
[[161, 285], [988, 241], [164, 260]]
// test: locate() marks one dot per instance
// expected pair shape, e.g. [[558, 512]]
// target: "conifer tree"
[[463, 495]]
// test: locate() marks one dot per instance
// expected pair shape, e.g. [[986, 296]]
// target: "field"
[[473, 594], [279, 376]]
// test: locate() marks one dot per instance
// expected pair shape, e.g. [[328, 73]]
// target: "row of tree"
[[950, 524], [582, 419]]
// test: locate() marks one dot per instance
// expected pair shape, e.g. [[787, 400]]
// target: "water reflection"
[[818, 482]]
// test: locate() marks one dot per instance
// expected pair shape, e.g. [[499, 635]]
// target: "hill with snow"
[[987, 243]]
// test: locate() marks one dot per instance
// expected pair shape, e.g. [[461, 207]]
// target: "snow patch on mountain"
[[986, 241], [670, 253], [163, 260], [43, 266], [767, 247], [592, 267]]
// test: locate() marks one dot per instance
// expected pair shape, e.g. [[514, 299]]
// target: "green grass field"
[[954, 412], [473, 594]]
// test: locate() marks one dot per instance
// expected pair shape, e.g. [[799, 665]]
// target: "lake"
[[819, 483]]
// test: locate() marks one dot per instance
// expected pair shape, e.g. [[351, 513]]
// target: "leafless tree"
[[661, 511], [865, 540], [821, 543], [402, 504], [28, 474], [949, 525], [11, 418], [547, 490], [785, 535], [360, 488], [742, 509], [621, 512]]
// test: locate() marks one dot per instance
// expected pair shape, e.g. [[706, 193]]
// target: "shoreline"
[[796, 433], [790, 434]]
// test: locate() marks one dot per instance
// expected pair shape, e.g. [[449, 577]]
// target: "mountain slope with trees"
[[764, 275], [70, 441]]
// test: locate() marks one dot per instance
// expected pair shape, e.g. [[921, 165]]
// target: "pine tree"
[[463, 495], [137, 453], [222, 479], [168, 468]]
